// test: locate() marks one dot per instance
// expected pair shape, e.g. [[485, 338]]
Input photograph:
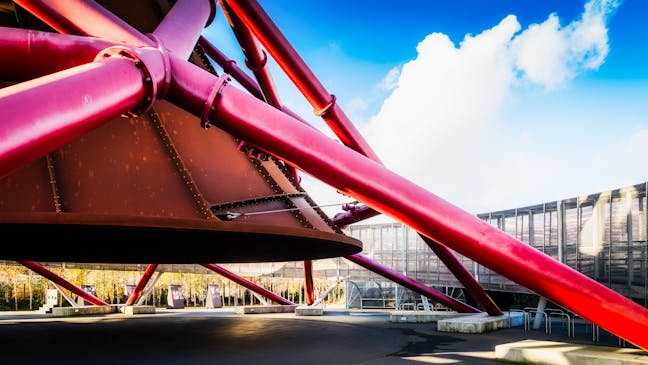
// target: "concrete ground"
[[218, 336]]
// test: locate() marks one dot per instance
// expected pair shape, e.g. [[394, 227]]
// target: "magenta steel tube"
[[84, 18], [141, 285], [247, 284], [411, 284], [38, 118], [229, 67], [463, 275], [44, 272], [309, 288], [181, 27], [28, 54], [260, 24]]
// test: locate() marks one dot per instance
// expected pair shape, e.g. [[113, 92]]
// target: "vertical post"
[[609, 261], [561, 230], [630, 241], [308, 282], [137, 293], [542, 305]]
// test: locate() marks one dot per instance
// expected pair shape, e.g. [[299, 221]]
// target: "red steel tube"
[[411, 284], [368, 181], [141, 285], [260, 24], [247, 284], [308, 282], [43, 271], [38, 118], [229, 67], [256, 59], [180, 29], [84, 18], [28, 54], [463, 275]]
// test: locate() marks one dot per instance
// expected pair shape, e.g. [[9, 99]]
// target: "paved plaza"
[[220, 336]]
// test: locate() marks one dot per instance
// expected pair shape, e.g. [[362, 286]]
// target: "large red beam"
[[463, 275], [308, 282], [38, 118], [411, 284], [230, 67], [368, 181], [247, 284], [255, 58], [27, 54], [41, 270], [180, 29], [264, 29], [84, 18], [139, 288]]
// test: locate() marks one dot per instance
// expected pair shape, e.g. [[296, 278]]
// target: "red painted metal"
[[28, 54], [308, 282], [353, 213], [255, 58], [260, 24], [373, 184], [84, 18], [180, 29], [141, 285], [247, 284], [94, 94], [463, 275], [411, 284], [43, 271], [230, 67]]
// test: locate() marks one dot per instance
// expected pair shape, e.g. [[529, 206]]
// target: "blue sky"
[[488, 104]]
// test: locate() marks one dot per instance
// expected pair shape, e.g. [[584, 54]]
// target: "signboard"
[[213, 297], [88, 289], [175, 299]]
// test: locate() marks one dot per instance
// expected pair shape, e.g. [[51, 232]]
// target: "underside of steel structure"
[[121, 143]]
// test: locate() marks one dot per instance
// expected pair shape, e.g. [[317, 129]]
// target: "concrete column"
[[542, 305]]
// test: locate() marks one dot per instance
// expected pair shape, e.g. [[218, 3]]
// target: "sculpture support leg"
[[411, 284], [27, 54], [180, 29], [247, 284], [139, 288], [308, 282], [41, 270], [260, 24], [38, 118]]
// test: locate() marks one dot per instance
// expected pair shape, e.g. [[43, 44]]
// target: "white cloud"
[[390, 81], [549, 54], [442, 126]]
